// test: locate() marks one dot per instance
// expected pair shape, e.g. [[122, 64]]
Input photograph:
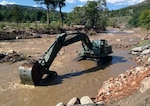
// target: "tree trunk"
[[61, 15], [48, 21]]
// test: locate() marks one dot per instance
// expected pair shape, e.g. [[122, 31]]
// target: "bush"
[[2, 25]]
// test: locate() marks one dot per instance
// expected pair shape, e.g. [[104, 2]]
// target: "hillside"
[[21, 6], [129, 11], [128, 17], [25, 14]]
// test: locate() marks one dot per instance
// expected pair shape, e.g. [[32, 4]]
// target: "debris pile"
[[11, 56], [141, 50], [83, 101], [125, 84], [143, 54]]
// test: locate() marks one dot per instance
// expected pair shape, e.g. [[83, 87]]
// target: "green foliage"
[[2, 25], [77, 16], [133, 11], [144, 19], [92, 15], [134, 20], [16, 13], [51, 5], [55, 25]]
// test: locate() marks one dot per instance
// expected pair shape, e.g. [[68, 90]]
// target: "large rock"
[[86, 100], [142, 49], [73, 101], [147, 51], [136, 50], [145, 84], [61, 104]]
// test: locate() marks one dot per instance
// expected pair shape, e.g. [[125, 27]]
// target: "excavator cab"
[[100, 49], [31, 72]]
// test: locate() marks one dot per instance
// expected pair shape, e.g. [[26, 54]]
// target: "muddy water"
[[75, 79]]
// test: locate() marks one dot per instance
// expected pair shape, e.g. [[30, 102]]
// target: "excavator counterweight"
[[31, 72]]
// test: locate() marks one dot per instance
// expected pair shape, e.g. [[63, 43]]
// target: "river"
[[75, 79]]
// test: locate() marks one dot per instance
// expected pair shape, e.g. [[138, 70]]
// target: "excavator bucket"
[[30, 73]]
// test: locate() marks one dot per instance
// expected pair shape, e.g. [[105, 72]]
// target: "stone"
[[147, 51], [118, 40], [138, 69], [133, 83], [86, 100], [145, 84], [122, 76], [131, 40], [148, 59], [10, 52], [61, 104], [138, 49], [73, 101], [100, 103], [111, 79]]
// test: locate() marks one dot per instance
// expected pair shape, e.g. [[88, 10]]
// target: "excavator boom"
[[32, 72]]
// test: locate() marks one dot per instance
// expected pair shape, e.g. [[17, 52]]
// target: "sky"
[[70, 4]]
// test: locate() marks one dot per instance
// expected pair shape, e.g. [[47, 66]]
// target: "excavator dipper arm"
[[31, 72]]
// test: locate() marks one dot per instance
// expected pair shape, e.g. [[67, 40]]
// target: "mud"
[[75, 79]]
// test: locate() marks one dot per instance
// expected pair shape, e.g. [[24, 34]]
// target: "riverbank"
[[131, 85]]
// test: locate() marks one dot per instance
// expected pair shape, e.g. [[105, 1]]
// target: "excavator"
[[31, 72]]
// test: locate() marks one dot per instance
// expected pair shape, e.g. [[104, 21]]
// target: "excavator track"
[[30, 73]]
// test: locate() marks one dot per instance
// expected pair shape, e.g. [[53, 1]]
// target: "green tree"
[[103, 15], [91, 14], [50, 4], [144, 19], [95, 14], [77, 16], [134, 20], [16, 14]]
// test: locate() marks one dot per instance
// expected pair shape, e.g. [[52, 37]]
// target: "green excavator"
[[31, 72]]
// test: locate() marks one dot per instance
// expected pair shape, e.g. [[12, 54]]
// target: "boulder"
[[145, 84], [73, 101], [138, 49], [61, 104], [147, 51], [118, 40], [85, 100]]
